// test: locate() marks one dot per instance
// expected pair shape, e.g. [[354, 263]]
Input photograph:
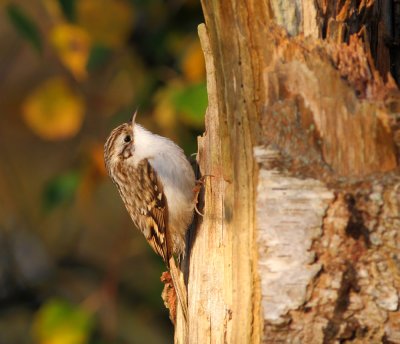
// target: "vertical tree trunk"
[[299, 242]]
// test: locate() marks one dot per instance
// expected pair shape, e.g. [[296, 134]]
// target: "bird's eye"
[[127, 138]]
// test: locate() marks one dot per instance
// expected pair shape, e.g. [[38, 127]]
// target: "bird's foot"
[[197, 189]]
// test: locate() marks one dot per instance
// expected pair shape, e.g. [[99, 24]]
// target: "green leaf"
[[68, 8], [25, 26], [99, 54], [191, 102], [61, 189]]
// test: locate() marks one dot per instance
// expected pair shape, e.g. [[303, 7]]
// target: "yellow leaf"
[[72, 44], [65, 335], [109, 22], [58, 322], [53, 110], [193, 65]]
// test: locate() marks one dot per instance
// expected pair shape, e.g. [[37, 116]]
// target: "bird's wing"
[[156, 213]]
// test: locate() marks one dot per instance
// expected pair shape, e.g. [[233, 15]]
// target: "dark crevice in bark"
[[348, 284]]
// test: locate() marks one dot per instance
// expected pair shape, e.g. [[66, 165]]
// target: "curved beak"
[[134, 117]]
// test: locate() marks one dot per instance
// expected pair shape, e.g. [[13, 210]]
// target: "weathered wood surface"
[[300, 237]]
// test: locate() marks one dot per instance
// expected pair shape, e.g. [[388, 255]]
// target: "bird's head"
[[120, 144]]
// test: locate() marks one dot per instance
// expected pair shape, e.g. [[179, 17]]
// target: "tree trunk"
[[300, 239]]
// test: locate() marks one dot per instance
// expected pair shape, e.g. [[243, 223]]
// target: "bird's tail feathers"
[[179, 285]]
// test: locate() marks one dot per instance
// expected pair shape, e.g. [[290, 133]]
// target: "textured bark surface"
[[300, 237]]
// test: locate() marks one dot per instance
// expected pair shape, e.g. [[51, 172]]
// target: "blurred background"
[[73, 269]]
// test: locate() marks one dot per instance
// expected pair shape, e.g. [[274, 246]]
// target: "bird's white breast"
[[173, 169]]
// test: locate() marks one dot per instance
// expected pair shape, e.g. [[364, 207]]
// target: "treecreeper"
[[156, 183]]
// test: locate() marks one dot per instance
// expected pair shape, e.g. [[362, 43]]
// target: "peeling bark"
[[290, 213]]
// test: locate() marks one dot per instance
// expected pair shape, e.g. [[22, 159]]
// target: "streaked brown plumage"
[[155, 181], [145, 201]]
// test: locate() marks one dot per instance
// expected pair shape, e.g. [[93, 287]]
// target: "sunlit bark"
[[300, 237]]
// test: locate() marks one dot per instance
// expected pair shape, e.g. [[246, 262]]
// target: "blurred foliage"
[[191, 102], [68, 9], [70, 71], [60, 189], [59, 322], [108, 22], [53, 110], [72, 44], [24, 25]]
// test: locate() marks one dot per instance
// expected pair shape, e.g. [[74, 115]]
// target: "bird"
[[155, 181]]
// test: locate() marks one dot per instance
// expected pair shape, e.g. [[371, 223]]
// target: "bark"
[[299, 242]]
